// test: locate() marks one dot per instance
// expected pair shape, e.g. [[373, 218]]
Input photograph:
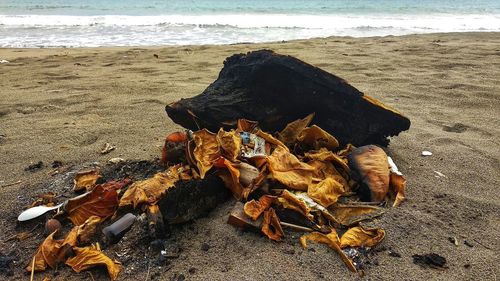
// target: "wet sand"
[[65, 104]]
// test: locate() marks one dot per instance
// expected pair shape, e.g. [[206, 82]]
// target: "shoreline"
[[64, 104], [465, 33]]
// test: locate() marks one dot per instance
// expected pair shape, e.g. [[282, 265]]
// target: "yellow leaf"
[[206, 150], [254, 209], [271, 226], [361, 237], [332, 241], [326, 192], [348, 215], [317, 138], [149, 191], [290, 171], [323, 170], [291, 132], [326, 155], [91, 256], [289, 201], [47, 254], [230, 143], [270, 139], [86, 180]]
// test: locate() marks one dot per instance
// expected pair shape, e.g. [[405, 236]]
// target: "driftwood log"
[[275, 89]]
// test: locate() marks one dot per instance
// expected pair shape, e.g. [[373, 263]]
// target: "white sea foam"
[[114, 30]]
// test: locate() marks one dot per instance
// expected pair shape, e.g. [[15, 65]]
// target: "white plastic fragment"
[[393, 166], [439, 174], [116, 160], [4, 61], [426, 153]]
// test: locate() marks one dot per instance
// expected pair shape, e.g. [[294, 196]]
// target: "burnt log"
[[191, 199], [275, 89]]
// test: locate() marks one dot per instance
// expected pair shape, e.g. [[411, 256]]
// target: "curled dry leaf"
[[206, 150], [91, 256], [288, 200], [371, 168], [362, 237], [46, 199], [332, 241], [270, 139], [326, 192], [271, 226], [317, 138], [47, 254], [101, 202], [151, 190], [326, 155], [290, 171], [325, 169], [398, 185], [230, 144], [349, 215], [293, 129], [245, 125], [86, 180], [254, 209]]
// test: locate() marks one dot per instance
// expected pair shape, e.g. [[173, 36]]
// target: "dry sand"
[[64, 104]]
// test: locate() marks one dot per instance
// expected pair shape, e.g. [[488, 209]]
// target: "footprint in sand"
[[456, 128]]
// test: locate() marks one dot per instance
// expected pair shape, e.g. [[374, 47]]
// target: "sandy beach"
[[65, 104]]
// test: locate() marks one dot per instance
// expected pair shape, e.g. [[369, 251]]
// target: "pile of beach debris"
[[288, 171]]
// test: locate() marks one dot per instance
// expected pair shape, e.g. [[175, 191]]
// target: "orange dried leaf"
[[247, 125], [152, 189], [271, 226], [101, 202], [362, 237], [206, 150], [326, 155], [371, 163], [323, 170], [47, 254], [86, 180], [349, 215], [398, 186], [317, 138], [91, 256], [270, 139], [332, 241], [290, 171], [230, 143], [254, 209], [292, 130], [289, 201], [326, 192]]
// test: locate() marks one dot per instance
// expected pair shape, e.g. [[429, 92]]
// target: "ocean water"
[[91, 23]]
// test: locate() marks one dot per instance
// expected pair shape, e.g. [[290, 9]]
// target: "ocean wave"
[[445, 22], [107, 30]]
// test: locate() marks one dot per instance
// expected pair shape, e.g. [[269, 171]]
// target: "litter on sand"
[[300, 178]]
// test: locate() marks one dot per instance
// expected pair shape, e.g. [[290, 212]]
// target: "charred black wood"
[[275, 89], [188, 200]]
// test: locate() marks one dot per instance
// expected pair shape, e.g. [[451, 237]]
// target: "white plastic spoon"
[[37, 211]]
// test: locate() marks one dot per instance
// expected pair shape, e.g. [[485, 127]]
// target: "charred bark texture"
[[191, 199], [275, 89]]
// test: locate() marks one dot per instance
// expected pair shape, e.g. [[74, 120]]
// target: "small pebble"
[[205, 247], [52, 225]]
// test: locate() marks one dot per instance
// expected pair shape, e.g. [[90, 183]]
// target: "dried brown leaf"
[[271, 226], [362, 237], [317, 138], [86, 180], [326, 192], [91, 256], [290, 171], [292, 130], [206, 150], [254, 209]]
